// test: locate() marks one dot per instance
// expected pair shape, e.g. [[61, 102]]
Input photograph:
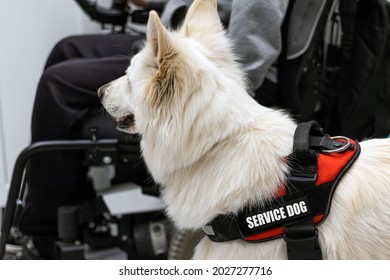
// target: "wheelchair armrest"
[[141, 16], [112, 16]]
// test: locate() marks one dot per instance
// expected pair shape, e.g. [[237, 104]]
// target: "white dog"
[[216, 151]]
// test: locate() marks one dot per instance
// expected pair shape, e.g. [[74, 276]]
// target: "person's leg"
[[91, 46]]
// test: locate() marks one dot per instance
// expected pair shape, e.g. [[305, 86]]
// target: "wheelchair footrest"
[[69, 251]]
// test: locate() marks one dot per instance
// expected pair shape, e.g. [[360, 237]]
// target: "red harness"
[[318, 163], [329, 169]]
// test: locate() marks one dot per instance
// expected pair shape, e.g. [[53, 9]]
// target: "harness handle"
[[307, 158]]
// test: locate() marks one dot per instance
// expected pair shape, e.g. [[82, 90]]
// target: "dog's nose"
[[102, 90]]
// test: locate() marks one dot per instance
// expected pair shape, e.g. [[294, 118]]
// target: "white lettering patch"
[[284, 212]]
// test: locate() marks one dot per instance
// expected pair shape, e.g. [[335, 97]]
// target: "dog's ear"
[[158, 36], [202, 19], [164, 83]]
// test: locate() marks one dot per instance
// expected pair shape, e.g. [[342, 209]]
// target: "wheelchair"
[[129, 217]]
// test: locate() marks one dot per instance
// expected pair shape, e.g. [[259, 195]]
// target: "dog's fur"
[[215, 150]]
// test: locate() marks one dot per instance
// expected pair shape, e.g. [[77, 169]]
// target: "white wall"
[[28, 31]]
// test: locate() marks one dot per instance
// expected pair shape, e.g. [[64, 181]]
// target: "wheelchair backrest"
[[335, 63]]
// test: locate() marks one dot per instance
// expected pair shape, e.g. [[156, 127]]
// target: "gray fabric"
[[254, 27]]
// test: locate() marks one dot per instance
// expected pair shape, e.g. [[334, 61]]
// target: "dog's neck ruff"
[[318, 163]]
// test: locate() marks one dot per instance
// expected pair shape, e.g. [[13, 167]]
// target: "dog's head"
[[171, 71]]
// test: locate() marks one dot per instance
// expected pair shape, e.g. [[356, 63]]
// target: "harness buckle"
[[304, 180], [302, 242]]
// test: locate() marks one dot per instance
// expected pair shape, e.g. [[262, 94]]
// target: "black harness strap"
[[302, 237], [302, 241]]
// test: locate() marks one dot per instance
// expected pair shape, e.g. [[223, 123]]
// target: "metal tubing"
[[20, 164]]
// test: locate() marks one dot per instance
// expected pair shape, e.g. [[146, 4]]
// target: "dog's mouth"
[[125, 121]]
